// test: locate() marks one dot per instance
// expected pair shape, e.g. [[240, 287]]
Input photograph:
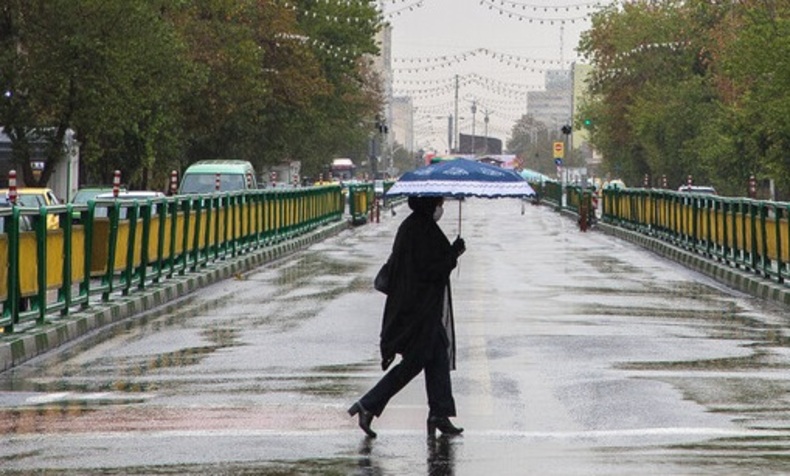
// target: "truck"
[[342, 169], [284, 174]]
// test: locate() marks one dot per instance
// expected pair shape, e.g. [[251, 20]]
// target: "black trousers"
[[437, 383]]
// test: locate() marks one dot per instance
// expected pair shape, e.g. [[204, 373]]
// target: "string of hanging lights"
[[403, 9], [348, 19], [511, 90], [458, 57], [343, 54], [579, 12]]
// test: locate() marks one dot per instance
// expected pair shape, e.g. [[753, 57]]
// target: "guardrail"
[[360, 202], [120, 246], [364, 198], [750, 234]]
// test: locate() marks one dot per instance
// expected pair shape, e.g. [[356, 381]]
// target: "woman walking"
[[418, 318]]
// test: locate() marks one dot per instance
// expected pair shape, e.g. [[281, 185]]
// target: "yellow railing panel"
[[28, 263], [4, 269]]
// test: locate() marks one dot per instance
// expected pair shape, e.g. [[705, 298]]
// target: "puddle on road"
[[300, 272], [752, 361], [341, 466], [56, 372], [608, 265], [298, 288]]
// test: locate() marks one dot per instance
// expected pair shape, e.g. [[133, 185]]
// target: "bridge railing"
[[122, 246], [750, 234]]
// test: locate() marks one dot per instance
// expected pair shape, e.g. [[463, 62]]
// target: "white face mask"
[[437, 213]]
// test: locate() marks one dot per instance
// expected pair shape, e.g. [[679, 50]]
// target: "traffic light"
[[587, 123], [566, 129]]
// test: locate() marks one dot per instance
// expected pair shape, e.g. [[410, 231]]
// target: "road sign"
[[559, 150], [558, 162]]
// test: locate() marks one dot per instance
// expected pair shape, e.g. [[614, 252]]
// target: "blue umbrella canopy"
[[461, 178]]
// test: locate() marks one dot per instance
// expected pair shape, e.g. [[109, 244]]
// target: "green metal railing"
[[360, 202], [745, 233], [548, 191], [123, 246], [362, 198]]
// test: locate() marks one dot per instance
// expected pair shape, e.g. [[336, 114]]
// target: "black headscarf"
[[424, 205]]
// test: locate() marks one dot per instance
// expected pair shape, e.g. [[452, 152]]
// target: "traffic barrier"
[[748, 234], [122, 246]]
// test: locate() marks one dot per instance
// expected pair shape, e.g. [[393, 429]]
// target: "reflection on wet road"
[[578, 354]]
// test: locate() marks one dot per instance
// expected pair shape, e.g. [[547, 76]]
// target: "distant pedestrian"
[[418, 318]]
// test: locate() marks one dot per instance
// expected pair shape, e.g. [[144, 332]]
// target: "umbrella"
[[461, 178]]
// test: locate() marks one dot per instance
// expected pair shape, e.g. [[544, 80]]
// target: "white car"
[[124, 196], [700, 189]]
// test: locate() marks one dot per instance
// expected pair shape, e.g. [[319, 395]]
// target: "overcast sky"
[[500, 50]]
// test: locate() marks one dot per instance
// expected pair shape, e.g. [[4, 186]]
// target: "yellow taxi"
[[37, 198]]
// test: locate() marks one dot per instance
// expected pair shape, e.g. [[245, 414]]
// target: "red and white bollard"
[[116, 183], [12, 193], [664, 181], [689, 181], [216, 182], [173, 182], [273, 178], [752, 187]]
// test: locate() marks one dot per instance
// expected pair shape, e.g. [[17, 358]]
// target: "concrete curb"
[[736, 278], [27, 344]]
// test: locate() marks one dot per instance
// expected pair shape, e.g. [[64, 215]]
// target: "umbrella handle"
[[459, 217]]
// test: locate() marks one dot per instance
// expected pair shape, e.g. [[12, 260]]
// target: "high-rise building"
[[552, 106], [402, 129]]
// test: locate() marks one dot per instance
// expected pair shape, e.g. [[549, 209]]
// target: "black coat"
[[414, 318]]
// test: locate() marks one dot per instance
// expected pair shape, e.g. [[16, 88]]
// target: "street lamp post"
[[474, 111], [485, 150]]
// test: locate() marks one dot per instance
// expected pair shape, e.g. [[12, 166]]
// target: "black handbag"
[[382, 280]]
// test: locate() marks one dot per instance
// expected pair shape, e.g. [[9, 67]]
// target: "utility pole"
[[485, 151], [450, 133], [474, 110], [456, 138]]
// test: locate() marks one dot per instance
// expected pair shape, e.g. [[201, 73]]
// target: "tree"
[[691, 87], [97, 67], [153, 85]]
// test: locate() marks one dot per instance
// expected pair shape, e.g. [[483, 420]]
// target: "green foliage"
[[533, 141], [691, 87], [153, 85]]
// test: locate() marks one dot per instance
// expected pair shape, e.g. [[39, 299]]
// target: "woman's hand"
[[459, 246]]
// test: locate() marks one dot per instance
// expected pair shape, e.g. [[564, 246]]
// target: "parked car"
[[234, 175], [86, 194], [700, 189], [36, 198], [126, 195], [25, 221]]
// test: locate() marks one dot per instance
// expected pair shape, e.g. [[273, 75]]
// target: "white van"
[[234, 175]]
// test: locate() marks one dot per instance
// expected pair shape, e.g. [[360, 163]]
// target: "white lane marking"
[[47, 398], [74, 396], [497, 434]]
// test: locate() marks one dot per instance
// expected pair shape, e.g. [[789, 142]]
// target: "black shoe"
[[365, 418], [444, 425]]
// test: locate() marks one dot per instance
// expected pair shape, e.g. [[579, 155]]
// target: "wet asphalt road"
[[578, 354]]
